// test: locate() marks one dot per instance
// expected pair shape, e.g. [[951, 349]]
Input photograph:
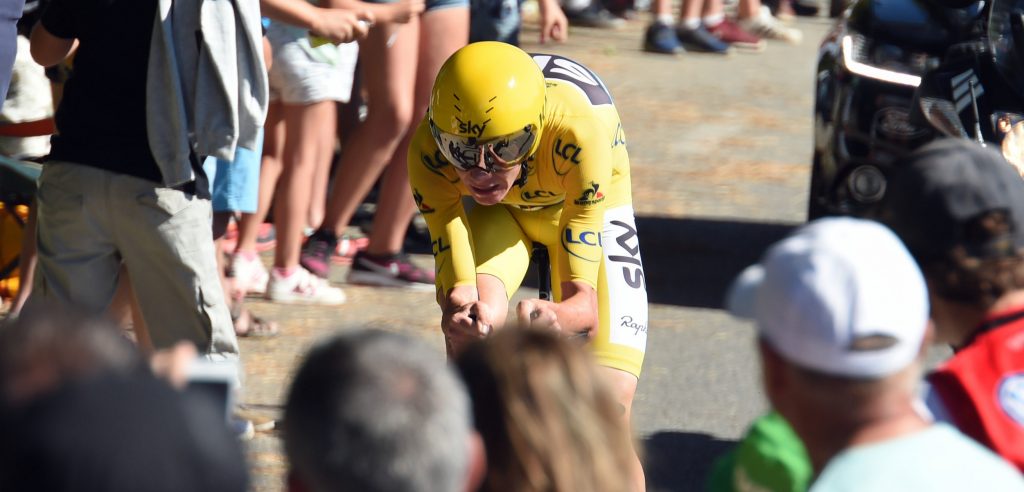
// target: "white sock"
[[714, 20], [665, 19], [690, 24]]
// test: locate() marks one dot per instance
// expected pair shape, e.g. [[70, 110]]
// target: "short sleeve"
[[59, 18]]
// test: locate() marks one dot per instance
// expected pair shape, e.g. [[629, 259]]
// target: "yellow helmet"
[[488, 97]]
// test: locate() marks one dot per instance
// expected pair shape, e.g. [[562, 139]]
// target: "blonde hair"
[[548, 422]]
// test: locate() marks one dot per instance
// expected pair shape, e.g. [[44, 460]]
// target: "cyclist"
[[538, 145]]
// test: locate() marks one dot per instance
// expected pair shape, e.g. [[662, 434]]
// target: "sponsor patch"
[[590, 196], [423, 207], [585, 245]]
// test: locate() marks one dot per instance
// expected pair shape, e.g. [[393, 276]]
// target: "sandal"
[[251, 326]]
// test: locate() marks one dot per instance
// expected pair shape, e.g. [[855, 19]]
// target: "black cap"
[[938, 190]]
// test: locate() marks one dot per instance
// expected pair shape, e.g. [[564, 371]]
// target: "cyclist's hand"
[[537, 313], [342, 26], [467, 322]]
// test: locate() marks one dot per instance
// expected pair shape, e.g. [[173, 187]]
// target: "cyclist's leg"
[[502, 252], [622, 298]]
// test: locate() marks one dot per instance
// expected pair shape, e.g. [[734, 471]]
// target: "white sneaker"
[[250, 276], [302, 287], [766, 26]]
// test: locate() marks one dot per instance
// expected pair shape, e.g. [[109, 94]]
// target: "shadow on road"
[[681, 461], [690, 262], [687, 261]]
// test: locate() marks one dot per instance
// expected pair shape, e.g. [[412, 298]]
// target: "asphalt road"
[[720, 150]]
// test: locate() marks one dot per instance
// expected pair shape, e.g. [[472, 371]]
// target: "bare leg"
[[442, 32], [270, 172], [305, 128], [661, 7], [388, 78]]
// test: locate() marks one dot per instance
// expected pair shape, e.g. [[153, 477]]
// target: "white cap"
[[840, 296]]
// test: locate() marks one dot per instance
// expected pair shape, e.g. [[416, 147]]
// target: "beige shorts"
[[91, 220], [304, 74]]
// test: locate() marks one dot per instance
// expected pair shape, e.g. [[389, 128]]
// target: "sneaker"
[[595, 16], [661, 38], [769, 27], [394, 271], [729, 32], [347, 248], [250, 275], [316, 253], [700, 40], [302, 287]]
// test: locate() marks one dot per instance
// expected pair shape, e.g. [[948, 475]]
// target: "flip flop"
[[249, 325]]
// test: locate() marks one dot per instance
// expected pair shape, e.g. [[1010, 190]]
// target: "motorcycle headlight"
[[1011, 126], [885, 62]]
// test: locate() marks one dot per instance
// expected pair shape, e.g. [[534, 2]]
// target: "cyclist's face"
[[488, 187]]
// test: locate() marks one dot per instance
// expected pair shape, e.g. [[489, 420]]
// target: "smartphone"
[[214, 384]]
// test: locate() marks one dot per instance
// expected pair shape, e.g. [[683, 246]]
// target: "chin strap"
[[524, 172]]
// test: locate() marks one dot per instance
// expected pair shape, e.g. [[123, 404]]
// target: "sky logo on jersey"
[[424, 208], [590, 196]]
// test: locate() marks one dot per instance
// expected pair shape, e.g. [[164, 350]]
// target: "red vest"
[[982, 386]]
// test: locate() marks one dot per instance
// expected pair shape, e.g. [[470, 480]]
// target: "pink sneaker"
[[394, 271]]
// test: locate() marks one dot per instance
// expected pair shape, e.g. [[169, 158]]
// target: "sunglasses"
[[498, 153]]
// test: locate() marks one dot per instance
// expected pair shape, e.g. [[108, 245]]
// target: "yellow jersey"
[[581, 166]]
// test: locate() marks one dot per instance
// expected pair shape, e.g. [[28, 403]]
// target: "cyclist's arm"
[[434, 187], [586, 177]]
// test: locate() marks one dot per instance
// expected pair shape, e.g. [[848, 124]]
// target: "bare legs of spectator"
[[270, 172]]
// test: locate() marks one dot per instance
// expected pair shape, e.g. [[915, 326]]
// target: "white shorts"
[[303, 74]]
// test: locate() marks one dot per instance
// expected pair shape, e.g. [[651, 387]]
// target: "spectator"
[[842, 317], [80, 411], [399, 63], [379, 412], [770, 457], [960, 210], [547, 419], [10, 12], [500, 20], [122, 182], [703, 27]]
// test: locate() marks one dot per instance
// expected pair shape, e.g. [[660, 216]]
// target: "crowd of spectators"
[[845, 308]]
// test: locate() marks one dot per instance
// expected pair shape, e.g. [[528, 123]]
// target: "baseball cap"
[[770, 457], [939, 189], [840, 295]]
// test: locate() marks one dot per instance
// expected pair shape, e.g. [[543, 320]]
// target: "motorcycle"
[[878, 68], [978, 92]]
